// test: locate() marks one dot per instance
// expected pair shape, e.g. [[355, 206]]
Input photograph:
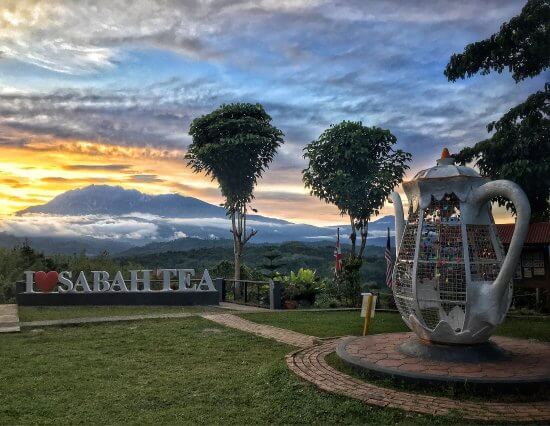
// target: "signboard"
[[141, 287], [140, 280], [365, 304]]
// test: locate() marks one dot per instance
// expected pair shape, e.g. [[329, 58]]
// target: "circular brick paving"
[[310, 365], [528, 361]]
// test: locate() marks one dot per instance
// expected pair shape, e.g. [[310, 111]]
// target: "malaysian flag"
[[338, 253], [389, 262]]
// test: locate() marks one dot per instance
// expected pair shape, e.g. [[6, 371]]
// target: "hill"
[[294, 255]]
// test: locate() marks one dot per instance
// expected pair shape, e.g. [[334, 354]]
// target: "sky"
[[104, 91]]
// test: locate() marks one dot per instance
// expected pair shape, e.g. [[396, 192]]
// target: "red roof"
[[539, 233]]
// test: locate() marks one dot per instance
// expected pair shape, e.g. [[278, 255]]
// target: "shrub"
[[302, 286]]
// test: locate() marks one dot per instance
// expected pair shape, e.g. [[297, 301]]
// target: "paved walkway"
[[310, 365], [92, 320], [242, 308], [269, 332], [9, 320]]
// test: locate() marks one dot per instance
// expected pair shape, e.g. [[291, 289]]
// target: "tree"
[[355, 168], [234, 145], [273, 263], [522, 45], [519, 148]]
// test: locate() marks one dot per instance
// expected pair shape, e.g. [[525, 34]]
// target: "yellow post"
[[368, 315]]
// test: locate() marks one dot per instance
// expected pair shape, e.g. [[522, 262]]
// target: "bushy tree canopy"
[[234, 144], [355, 168], [522, 45]]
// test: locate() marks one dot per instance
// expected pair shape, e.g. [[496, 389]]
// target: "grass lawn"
[[340, 323], [164, 372], [39, 313]]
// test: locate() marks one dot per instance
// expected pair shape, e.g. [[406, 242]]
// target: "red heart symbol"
[[46, 282]]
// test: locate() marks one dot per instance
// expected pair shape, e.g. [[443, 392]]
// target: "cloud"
[[311, 63], [98, 78], [55, 179], [94, 167], [97, 226], [153, 116], [131, 227], [179, 234], [13, 181], [145, 179]]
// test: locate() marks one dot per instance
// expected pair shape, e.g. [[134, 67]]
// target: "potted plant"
[[300, 288]]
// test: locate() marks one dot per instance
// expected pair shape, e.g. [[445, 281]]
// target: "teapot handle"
[[395, 199], [515, 194]]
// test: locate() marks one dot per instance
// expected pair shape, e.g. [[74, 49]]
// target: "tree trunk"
[[240, 238], [352, 236], [364, 232], [238, 260], [236, 230]]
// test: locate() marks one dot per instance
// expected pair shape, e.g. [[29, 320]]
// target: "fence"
[[262, 294]]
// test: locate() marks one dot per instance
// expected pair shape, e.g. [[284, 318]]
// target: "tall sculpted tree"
[[519, 148], [355, 168], [234, 145]]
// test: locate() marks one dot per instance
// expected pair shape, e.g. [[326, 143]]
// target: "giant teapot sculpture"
[[452, 282]]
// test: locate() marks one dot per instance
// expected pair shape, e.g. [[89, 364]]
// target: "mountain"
[[111, 215], [115, 200], [177, 245]]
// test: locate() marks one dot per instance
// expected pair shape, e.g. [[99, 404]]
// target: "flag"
[[338, 253], [389, 262]]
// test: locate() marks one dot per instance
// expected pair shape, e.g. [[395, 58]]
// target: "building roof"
[[539, 233]]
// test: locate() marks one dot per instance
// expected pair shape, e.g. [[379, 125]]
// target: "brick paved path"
[[310, 365], [279, 334], [93, 320]]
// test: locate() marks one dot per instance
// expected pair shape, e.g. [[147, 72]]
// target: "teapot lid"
[[445, 177], [446, 168]]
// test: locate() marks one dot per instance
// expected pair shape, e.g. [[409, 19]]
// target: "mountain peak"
[[116, 200]]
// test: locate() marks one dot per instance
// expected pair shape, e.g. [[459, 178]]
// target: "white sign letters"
[[100, 281]]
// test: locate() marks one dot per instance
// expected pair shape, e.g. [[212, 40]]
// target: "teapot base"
[[503, 364], [479, 352]]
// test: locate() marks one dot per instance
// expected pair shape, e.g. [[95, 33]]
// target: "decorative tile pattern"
[[529, 360], [310, 365]]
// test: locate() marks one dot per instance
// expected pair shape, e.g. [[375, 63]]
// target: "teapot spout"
[[395, 199]]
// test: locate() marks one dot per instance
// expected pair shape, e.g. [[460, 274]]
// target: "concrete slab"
[[9, 319]]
